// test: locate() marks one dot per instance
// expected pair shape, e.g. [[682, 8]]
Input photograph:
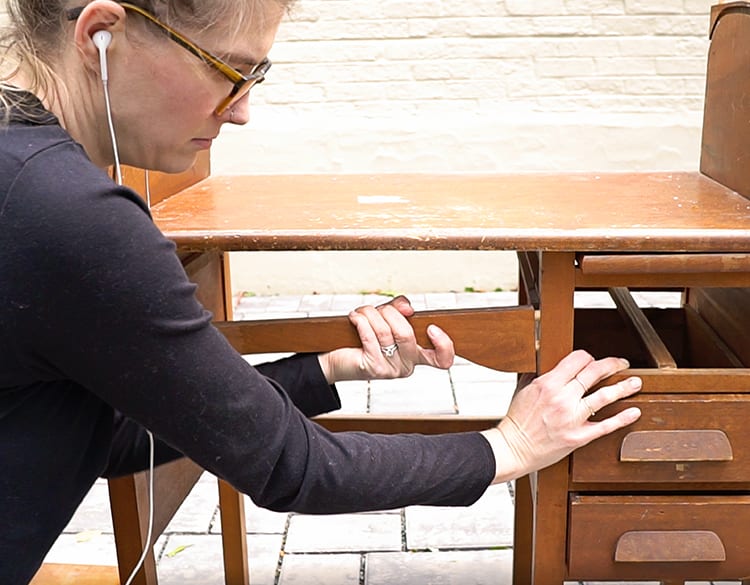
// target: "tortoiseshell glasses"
[[241, 83]]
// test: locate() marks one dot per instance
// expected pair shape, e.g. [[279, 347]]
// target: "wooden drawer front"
[[658, 537], [685, 438]]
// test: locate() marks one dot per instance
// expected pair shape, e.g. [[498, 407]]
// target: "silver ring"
[[231, 114], [389, 350], [592, 412]]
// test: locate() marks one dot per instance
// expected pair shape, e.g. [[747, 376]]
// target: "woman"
[[102, 335]]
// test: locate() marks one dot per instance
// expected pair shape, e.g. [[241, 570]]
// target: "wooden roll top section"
[[726, 140]]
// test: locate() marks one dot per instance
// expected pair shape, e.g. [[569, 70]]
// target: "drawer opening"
[[651, 338]]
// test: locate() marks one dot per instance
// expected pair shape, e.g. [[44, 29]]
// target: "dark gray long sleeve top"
[[97, 317]]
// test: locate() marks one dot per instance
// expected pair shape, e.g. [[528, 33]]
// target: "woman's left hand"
[[389, 346]]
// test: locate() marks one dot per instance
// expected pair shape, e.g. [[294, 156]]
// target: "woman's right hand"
[[549, 418]]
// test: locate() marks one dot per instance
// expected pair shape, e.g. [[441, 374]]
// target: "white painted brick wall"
[[453, 85], [359, 53]]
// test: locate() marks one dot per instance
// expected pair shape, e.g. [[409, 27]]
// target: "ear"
[[97, 16]]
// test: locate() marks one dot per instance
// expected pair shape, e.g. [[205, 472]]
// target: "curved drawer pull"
[[671, 546], [680, 445]]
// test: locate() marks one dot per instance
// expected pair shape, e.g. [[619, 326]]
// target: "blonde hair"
[[35, 32]]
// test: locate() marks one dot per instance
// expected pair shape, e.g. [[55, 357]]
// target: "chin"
[[175, 164]]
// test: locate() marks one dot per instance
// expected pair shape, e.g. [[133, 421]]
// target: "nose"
[[239, 113]]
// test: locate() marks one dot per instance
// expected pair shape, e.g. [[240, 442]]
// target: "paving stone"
[[375, 299], [284, 304], [331, 313], [483, 398], [489, 299], [346, 303], [661, 299], [501, 298], [354, 396], [271, 314], [487, 523], [198, 560], [588, 298], [340, 569], [469, 372], [85, 548], [427, 390], [93, 513], [418, 301], [461, 361], [190, 558], [251, 304], [314, 304], [343, 533], [481, 567], [197, 510], [440, 300], [260, 358], [257, 520], [207, 477]]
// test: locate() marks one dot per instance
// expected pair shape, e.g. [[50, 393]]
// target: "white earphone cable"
[[118, 178], [113, 138], [149, 533]]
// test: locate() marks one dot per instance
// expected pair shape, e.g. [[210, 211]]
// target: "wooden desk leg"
[[523, 531], [557, 284], [523, 528], [128, 498], [234, 540]]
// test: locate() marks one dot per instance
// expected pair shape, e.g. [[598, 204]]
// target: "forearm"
[[348, 472]]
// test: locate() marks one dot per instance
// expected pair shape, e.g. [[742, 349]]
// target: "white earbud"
[[102, 39]]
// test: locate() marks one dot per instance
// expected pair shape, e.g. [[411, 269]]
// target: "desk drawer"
[[680, 438], [658, 537]]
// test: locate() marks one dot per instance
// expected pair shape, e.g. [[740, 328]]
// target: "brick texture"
[[551, 55]]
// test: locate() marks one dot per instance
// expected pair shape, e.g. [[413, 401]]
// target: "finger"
[[622, 419], [597, 370], [379, 324], [443, 354], [402, 304], [579, 385], [567, 368], [587, 411], [609, 394], [400, 329], [366, 333]]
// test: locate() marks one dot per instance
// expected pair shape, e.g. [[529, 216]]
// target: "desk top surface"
[[670, 212]]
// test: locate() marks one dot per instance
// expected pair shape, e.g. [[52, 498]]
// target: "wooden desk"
[[625, 212], [666, 499], [561, 225]]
